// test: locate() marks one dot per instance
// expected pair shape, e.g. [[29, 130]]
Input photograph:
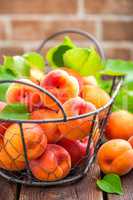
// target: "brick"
[[118, 53], [2, 31], [109, 6], [37, 30], [118, 30], [38, 6], [10, 51]]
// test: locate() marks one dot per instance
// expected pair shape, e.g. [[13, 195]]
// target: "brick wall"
[[24, 23]]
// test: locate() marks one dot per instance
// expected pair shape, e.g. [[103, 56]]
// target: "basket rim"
[[65, 118]]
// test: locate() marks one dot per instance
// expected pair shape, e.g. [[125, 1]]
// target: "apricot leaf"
[[110, 183], [55, 54], [84, 60], [35, 60], [5, 74], [15, 111], [18, 65]]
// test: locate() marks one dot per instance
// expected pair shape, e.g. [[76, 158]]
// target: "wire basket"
[[97, 126]]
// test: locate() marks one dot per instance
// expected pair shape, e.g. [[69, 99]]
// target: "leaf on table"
[[15, 111], [84, 60], [110, 183], [55, 54], [35, 60]]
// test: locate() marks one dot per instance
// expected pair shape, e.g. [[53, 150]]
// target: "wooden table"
[[84, 190]]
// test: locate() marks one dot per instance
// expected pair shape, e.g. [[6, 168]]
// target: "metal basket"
[[80, 170]]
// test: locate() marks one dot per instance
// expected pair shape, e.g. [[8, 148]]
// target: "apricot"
[[7, 162], [95, 95], [74, 73], [50, 129], [19, 93], [131, 141], [76, 129], [76, 149], [3, 125], [115, 156], [34, 137], [119, 125], [61, 85], [54, 164]]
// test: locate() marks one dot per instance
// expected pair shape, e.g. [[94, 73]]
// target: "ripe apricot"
[[50, 129], [76, 129], [119, 125], [131, 140], [7, 162], [19, 93], [54, 164], [35, 141], [95, 95], [61, 85], [115, 156]]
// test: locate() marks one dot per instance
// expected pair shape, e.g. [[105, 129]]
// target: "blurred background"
[[24, 23]]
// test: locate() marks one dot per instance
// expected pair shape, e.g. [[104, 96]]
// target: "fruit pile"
[[52, 148]]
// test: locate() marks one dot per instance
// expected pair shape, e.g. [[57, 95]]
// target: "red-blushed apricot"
[[119, 125], [35, 140], [20, 93], [7, 162], [115, 156], [3, 125], [76, 129], [50, 129], [131, 141], [54, 164], [95, 95], [61, 85], [74, 73], [76, 149]]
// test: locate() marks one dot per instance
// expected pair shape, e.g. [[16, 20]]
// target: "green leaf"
[[35, 60], [110, 183], [15, 111], [119, 67], [84, 60], [55, 54], [18, 65], [5, 74]]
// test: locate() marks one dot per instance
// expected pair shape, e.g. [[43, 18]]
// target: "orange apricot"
[[119, 125], [76, 129], [50, 129], [115, 156], [35, 141], [95, 95], [54, 164], [7, 162]]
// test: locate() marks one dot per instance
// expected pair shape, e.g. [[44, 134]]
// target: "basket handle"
[[75, 31]]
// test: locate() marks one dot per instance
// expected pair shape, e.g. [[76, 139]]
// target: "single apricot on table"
[[54, 164], [35, 141], [119, 125], [115, 156]]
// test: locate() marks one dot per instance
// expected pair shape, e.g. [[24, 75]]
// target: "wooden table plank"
[[7, 190], [83, 190], [127, 183]]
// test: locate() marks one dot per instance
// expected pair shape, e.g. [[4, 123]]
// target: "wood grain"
[[7, 190], [127, 183], [83, 190]]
